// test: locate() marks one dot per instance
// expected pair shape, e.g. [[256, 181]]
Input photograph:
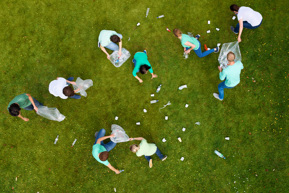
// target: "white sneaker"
[[217, 96], [164, 158]]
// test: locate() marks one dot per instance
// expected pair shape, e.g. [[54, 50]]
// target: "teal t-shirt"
[[97, 149], [22, 100], [141, 59], [232, 74], [186, 38], [104, 37], [146, 149]]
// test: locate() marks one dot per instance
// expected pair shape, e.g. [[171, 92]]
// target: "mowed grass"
[[42, 40]]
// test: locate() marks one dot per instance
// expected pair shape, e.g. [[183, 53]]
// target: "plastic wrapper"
[[50, 113], [226, 48], [120, 135], [118, 61], [83, 85]]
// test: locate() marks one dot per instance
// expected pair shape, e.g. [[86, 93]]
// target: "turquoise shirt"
[[186, 38], [146, 149], [22, 100], [232, 74], [97, 149], [104, 37], [141, 59]]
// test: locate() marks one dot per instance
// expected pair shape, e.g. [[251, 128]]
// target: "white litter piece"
[[209, 22], [187, 105], [114, 189], [161, 16], [227, 138], [144, 110], [138, 24], [180, 139], [118, 61], [166, 117], [159, 88], [182, 87], [217, 29], [154, 101], [119, 134], [164, 140], [208, 48], [116, 118], [147, 13], [169, 103], [198, 123], [152, 95], [184, 129], [234, 17], [209, 31], [128, 38], [50, 113], [218, 44], [182, 158], [73, 142], [226, 48], [137, 123], [16, 179], [56, 139]]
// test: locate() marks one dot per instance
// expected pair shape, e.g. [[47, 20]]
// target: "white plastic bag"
[[120, 135], [118, 61], [50, 113], [226, 48], [83, 85]]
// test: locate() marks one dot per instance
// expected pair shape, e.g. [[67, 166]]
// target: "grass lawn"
[[42, 40]]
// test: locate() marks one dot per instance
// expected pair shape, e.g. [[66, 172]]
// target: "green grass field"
[[42, 40]]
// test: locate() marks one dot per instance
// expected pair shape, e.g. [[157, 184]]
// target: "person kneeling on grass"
[[100, 151], [147, 150], [25, 101], [61, 88], [142, 65], [109, 39], [231, 75], [191, 43]]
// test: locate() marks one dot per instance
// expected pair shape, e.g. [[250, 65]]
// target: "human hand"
[[36, 109], [74, 83], [108, 57], [117, 172], [239, 39], [187, 51], [220, 68], [130, 139], [154, 76], [25, 119], [184, 49], [140, 81], [112, 135], [119, 53]]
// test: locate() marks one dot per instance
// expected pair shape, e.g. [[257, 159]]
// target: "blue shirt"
[[232, 74]]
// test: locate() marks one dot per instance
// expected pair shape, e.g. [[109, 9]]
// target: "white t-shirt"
[[56, 87], [249, 15]]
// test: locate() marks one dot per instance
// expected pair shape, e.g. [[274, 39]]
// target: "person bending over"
[[142, 65], [109, 39], [191, 43], [247, 17], [100, 150], [61, 88], [25, 101]]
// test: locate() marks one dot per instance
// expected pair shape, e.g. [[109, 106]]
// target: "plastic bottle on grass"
[[56, 139], [159, 88], [161, 16], [154, 101], [182, 87], [219, 154]]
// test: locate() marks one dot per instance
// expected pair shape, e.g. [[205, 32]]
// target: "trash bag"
[[118, 61], [50, 113], [120, 135], [226, 48], [82, 85]]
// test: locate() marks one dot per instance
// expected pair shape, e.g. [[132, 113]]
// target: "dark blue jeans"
[[245, 25], [221, 88], [108, 146], [200, 53], [159, 154], [37, 104], [75, 96]]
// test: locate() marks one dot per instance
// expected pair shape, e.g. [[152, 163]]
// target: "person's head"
[[234, 8], [68, 91], [14, 109], [103, 156], [177, 32], [231, 57], [144, 68], [114, 39], [134, 148]]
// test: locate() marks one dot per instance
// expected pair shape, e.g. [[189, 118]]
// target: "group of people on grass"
[[61, 87]]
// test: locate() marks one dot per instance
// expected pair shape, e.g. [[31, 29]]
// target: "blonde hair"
[[133, 148], [231, 57], [177, 32]]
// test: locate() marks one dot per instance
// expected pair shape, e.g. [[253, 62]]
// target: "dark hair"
[[144, 68], [177, 32], [14, 109], [114, 39], [103, 155], [68, 91], [234, 7]]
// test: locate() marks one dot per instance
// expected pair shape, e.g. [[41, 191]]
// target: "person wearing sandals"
[[142, 65], [191, 43], [109, 39], [147, 150]]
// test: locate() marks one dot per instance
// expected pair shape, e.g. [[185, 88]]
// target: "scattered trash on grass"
[[56, 139], [164, 140], [116, 118], [147, 13], [73, 142], [182, 87], [180, 140], [154, 101], [161, 16], [182, 158], [184, 129], [137, 123], [198, 123], [219, 154]]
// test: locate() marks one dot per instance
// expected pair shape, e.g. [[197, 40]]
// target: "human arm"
[[140, 80], [104, 50], [113, 169], [190, 45], [32, 102], [71, 82], [120, 47], [136, 138], [222, 75], [220, 68], [240, 29], [23, 118], [104, 138]]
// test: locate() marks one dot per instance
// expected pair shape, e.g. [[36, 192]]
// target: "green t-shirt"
[[146, 149], [22, 100], [104, 37], [186, 38], [141, 59], [97, 149], [232, 74]]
